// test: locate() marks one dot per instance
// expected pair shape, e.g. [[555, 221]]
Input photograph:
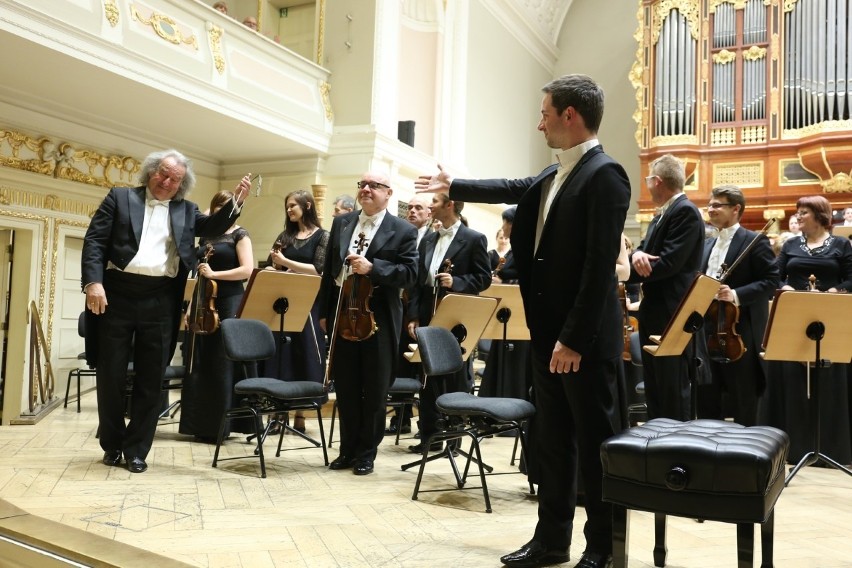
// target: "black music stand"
[[466, 316], [686, 321], [508, 323], [794, 333], [269, 296]]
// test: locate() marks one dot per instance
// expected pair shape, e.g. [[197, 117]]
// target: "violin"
[[446, 268], [355, 320], [812, 284], [205, 318], [724, 344], [277, 246], [500, 262], [630, 323]]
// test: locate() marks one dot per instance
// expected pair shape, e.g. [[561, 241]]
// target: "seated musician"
[[452, 259]]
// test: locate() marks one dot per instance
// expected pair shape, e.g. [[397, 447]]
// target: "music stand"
[[686, 321], [794, 333], [269, 295], [508, 322], [466, 316]]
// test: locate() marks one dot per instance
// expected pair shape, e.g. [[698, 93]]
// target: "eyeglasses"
[[719, 205], [371, 185]]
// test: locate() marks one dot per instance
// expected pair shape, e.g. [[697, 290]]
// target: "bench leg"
[[767, 539], [745, 545], [620, 535], [660, 550]]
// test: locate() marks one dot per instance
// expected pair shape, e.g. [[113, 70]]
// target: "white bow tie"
[[155, 202], [445, 232], [367, 220]]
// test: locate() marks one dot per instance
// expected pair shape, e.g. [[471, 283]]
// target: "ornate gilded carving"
[[818, 128], [164, 26], [724, 57], [689, 9], [743, 174], [325, 90], [840, 183], [789, 5], [738, 4], [754, 53], [679, 140], [636, 77], [321, 32], [214, 39], [111, 12], [60, 160]]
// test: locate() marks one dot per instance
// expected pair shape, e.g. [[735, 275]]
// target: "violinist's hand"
[[205, 271], [359, 264], [496, 280], [642, 263], [96, 300], [564, 359], [444, 280], [277, 258], [787, 287], [243, 189], [412, 325], [438, 183], [725, 293]]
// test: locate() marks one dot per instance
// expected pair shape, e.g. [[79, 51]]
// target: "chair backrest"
[[635, 349], [81, 324], [439, 350], [247, 339]]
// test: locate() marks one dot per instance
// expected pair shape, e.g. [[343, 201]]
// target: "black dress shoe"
[[363, 467], [341, 462], [136, 465], [112, 457], [535, 553], [392, 429], [595, 560], [434, 447]]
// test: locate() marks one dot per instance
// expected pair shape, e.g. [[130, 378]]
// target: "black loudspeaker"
[[405, 132]]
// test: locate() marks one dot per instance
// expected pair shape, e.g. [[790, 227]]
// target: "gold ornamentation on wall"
[[62, 161], [321, 31], [818, 128], [840, 183], [325, 90], [319, 190], [680, 139], [111, 12], [743, 174], [754, 53], [789, 5], [214, 39], [44, 240], [164, 26], [637, 80], [724, 57], [689, 9], [738, 4]]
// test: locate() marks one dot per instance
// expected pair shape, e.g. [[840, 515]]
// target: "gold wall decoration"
[[62, 161], [738, 4], [753, 134], [44, 221], [754, 53], [678, 140], [321, 32], [111, 12], [723, 137], [724, 57], [818, 128], [840, 183], [689, 9], [164, 26], [325, 90], [742, 174], [214, 39], [637, 80], [319, 190], [789, 5]]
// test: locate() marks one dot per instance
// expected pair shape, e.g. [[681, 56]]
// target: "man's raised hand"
[[438, 183]]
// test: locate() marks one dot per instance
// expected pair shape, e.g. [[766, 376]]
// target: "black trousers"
[[575, 413], [135, 327]]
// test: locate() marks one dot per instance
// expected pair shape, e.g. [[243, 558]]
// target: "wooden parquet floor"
[[302, 514]]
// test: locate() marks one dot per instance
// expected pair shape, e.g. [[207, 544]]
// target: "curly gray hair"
[[152, 163]]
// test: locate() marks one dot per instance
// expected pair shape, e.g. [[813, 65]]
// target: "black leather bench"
[[703, 469]]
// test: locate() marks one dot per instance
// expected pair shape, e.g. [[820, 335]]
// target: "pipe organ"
[[757, 93]]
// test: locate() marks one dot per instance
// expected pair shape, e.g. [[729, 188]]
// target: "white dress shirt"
[[157, 254], [445, 238]]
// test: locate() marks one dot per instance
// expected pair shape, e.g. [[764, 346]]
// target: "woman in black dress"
[[209, 389], [300, 248], [829, 259]]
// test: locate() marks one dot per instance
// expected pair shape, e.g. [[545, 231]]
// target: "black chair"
[[637, 409], [249, 341], [402, 395], [465, 415], [79, 372]]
